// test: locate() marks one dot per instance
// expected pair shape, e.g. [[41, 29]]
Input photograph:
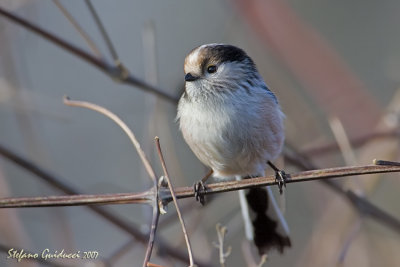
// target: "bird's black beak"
[[190, 78]]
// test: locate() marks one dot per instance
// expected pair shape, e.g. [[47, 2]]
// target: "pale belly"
[[229, 144]]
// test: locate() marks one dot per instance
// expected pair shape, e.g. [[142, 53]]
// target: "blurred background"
[[334, 65]]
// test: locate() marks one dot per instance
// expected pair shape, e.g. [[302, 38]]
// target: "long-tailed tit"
[[234, 124]]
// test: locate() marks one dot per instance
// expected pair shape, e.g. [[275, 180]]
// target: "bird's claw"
[[199, 191], [280, 178]]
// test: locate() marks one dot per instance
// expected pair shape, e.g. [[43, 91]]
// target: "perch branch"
[[186, 192]]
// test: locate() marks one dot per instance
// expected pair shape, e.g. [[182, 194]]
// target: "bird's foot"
[[280, 177], [199, 191]]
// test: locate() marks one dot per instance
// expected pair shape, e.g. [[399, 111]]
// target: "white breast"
[[233, 137]]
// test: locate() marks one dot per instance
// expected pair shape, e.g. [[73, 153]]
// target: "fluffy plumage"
[[229, 118]]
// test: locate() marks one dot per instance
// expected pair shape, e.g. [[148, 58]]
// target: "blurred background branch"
[[115, 72]]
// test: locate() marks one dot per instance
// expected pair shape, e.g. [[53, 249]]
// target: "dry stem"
[[186, 192], [221, 231], [178, 211], [79, 29], [103, 31], [153, 229]]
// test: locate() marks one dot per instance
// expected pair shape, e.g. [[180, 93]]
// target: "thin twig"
[[79, 29], [107, 39], [171, 189], [343, 141], [153, 229], [186, 192], [347, 151], [122, 125], [103, 31], [221, 231], [115, 72]]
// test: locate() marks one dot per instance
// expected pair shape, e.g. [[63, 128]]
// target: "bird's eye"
[[211, 69]]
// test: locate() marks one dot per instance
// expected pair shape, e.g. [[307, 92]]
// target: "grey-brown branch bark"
[[186, 192]]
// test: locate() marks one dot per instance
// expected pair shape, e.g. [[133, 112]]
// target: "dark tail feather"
[[266, 229]]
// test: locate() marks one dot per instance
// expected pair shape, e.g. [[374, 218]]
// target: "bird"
[[234, 124]]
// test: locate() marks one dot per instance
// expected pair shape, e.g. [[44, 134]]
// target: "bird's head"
[[217, 69]]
